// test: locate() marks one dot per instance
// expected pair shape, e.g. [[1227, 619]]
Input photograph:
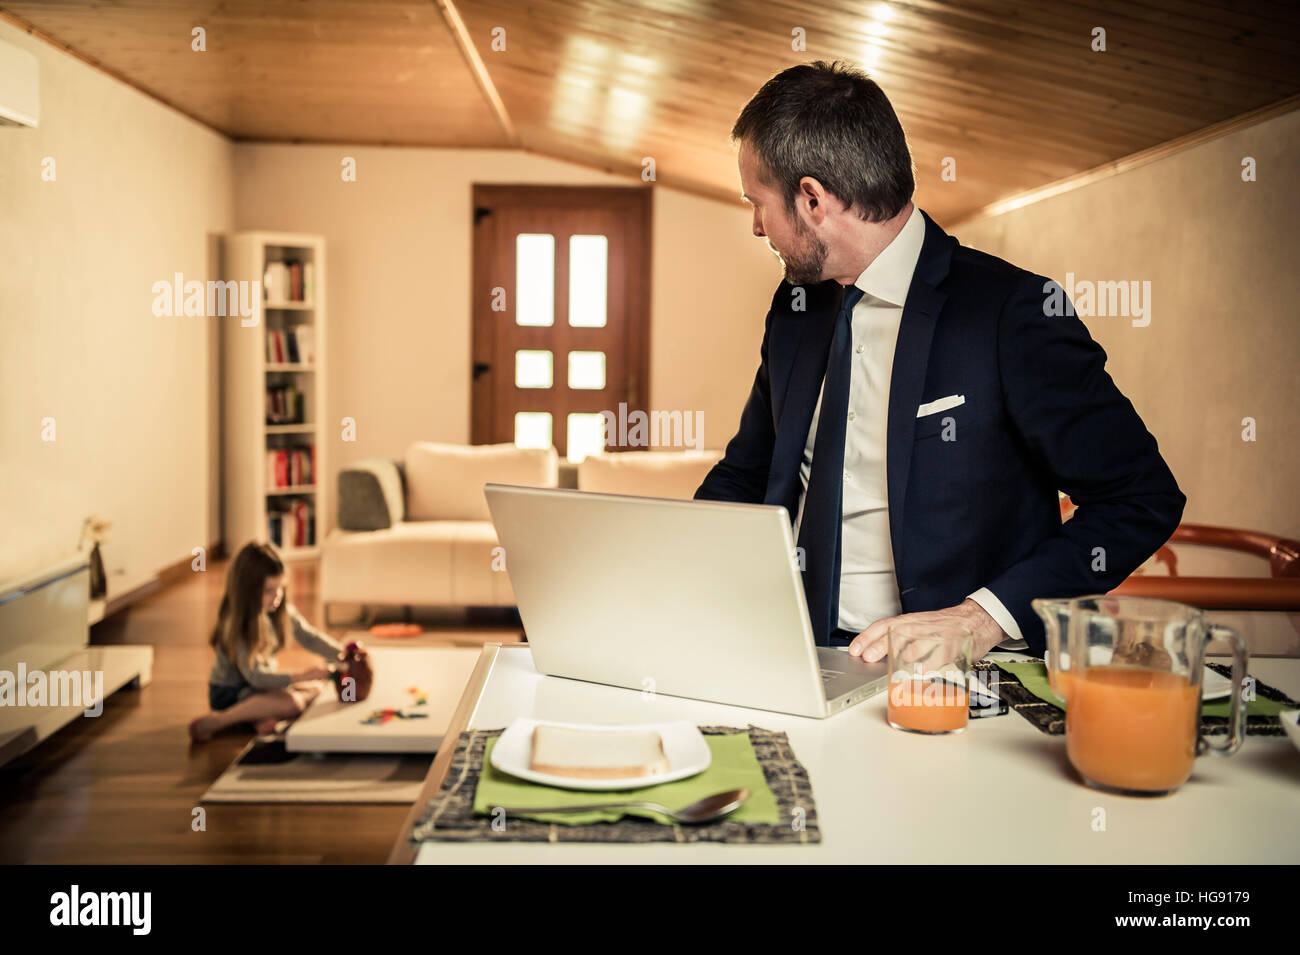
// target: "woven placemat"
[[1051, 719], [449, 816]]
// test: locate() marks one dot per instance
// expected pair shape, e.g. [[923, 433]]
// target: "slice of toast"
[[598, 754]]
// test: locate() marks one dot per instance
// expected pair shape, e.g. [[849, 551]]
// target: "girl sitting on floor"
[[252, 627]]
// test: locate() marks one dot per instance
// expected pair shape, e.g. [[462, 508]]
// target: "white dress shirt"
[[868, 586]]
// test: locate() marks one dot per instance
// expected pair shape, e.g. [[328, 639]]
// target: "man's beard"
[[804, 264]]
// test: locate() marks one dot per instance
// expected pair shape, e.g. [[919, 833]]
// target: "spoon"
[[705, 810]]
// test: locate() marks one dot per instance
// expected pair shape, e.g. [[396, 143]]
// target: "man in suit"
[[917, 407]]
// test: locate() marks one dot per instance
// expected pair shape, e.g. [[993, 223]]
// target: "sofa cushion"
[[423, 563], [674, 474], [370, 495], [444, 482]]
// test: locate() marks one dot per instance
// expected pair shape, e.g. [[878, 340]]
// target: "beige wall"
[[713, 282], [138, 190], [1223, 342], [399, 258]]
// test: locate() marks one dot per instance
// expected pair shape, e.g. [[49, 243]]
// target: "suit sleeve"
[[1081, 427], [741, 475]]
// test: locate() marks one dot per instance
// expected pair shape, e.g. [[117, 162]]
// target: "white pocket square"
[[940, 404]]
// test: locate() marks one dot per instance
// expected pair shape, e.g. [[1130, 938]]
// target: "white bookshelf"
[[249, 495]]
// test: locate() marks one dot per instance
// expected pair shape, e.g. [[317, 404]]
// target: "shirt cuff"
[[994, 608]]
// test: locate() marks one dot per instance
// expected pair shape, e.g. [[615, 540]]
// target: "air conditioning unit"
[[20, 102]]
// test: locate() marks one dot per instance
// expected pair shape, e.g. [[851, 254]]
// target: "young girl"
[[252, 627]]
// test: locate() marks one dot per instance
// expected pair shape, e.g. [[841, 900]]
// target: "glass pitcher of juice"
[[1129, 670]]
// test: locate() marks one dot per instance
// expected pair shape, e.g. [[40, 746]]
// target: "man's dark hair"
[[833, 123]]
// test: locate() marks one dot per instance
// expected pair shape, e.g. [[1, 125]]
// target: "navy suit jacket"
[[973, 490]]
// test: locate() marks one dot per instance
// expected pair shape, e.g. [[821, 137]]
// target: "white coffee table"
[[438, 673]]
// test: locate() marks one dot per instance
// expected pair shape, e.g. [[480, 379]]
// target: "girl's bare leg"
[[263, 710]]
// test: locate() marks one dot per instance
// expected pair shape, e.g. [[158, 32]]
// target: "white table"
[[888, 796]]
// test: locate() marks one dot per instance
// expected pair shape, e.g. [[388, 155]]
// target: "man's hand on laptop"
[[872, 644]]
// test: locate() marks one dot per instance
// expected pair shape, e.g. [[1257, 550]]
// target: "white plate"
[[1289, 723], [684, 745]]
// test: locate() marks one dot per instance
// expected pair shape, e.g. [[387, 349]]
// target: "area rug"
[[266, 772]]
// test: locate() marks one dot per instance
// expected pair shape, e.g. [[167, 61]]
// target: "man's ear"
[[813, 199]]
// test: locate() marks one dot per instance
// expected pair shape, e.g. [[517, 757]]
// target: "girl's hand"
[[311, 673]]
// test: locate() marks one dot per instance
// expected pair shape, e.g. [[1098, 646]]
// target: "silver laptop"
[[688, 598]]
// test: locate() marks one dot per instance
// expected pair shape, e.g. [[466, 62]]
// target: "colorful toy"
[[388, 714]]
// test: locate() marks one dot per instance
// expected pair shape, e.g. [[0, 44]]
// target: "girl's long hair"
[[238, 624]]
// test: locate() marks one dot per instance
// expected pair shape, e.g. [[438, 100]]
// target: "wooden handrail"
[[1281, 591], [1221, 593], [1282, 554]]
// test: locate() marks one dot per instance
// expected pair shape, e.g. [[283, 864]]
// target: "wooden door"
[[561, 313]]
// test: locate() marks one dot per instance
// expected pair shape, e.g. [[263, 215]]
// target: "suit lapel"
[[806, 338], [907, 377], [805, 381]]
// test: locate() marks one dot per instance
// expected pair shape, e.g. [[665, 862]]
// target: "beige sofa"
[[417, 532]]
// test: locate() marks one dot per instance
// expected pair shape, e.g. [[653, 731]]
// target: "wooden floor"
[[122, 788]]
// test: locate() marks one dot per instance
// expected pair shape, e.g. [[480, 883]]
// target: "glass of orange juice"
[[928, 673]]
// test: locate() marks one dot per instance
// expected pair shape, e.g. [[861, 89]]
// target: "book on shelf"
[[285, 404], [289, 281], [305, 342], [292, 525], [296, 346], [290, 467], [275, 282]]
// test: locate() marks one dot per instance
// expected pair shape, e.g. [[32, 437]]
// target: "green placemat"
[[1034, 691], [780, 811], [1033, 677], [734, 766]]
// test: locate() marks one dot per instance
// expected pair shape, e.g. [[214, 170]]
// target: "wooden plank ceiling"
[[1010, 89]]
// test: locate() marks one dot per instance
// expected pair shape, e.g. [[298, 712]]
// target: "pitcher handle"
[[1052, 659], [1236, 711]]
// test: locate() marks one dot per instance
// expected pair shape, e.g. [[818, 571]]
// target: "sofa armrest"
[[371, 496]]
